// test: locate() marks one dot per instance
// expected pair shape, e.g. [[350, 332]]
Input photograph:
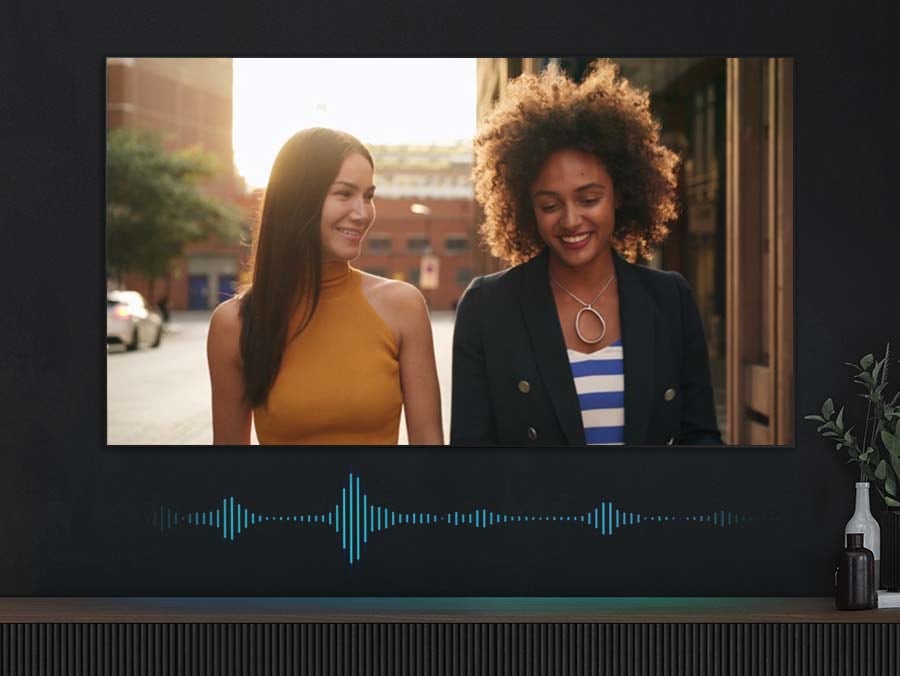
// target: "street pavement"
[[161, 396]]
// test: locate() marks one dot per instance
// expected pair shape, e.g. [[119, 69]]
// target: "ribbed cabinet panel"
[[473, 649]]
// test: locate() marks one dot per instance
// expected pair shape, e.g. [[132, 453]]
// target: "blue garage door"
[[227, 285], [198, 292]]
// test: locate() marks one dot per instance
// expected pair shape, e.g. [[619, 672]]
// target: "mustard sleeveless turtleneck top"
[[339, 381]]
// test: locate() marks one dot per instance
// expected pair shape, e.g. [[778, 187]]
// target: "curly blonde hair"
[[605, 116]]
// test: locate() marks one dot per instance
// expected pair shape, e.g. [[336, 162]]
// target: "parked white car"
[[131, 321]]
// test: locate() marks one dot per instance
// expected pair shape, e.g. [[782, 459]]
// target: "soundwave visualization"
[[354, 518]]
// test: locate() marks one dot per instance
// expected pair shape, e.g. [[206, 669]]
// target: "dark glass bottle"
[[855, 576]]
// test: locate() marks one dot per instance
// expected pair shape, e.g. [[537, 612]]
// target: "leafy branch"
[[157, 205], [878, 451]]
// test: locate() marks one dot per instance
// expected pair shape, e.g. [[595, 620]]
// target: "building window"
[[416, 244], [456, 244], [463, 277], [378, 244], [413, 277]]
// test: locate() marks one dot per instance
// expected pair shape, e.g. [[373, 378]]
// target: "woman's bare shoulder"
[[399, 304], [393, 292], [224, 335], [227, 315]]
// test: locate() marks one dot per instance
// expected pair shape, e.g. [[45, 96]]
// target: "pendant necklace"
[[588, 307]]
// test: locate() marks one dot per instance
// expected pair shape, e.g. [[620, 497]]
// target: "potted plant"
[[877, 452]]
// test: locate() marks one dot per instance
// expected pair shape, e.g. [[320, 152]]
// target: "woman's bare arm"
[[418, 374], [404, 309], [231, 414]]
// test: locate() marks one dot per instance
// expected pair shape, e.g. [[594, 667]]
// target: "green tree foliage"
[[154, 205]]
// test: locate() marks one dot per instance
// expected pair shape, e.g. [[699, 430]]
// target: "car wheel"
[[158, 338], [133, 345]]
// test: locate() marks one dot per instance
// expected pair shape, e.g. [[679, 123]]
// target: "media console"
[[393, 636]]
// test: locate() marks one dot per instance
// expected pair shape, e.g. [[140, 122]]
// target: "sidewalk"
[[179, 320]]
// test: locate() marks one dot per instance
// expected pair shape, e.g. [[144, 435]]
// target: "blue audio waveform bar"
[[354, 518]]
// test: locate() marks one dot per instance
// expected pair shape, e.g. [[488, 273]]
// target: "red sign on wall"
[[429, 272]]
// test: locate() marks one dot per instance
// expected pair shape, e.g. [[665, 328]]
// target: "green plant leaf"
[[868, 472], [877, 370], [828, 409], [869, 455], [890, 502], [894, 458], [882, 470], [890, 484], [831, 434], [814, 417], [866, 379], [891, 442], [840, 418], [856, 366], [867, 361]]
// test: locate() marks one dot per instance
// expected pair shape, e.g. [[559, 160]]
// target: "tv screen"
[[708, 189]]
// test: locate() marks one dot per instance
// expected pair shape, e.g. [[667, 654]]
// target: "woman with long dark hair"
[[575, 344], [314, 351]]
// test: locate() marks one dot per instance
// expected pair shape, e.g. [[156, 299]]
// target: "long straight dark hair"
[[286, 255]]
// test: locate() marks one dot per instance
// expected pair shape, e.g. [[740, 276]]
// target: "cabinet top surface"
[[437, 609]]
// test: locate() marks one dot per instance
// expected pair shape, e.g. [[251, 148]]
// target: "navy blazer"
[[512, 383]]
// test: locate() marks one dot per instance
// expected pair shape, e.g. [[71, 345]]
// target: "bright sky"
[[380, 101]]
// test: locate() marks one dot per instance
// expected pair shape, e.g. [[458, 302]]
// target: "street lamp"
[[424, 210], [429, 266]]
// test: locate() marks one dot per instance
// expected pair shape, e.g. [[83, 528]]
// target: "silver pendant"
[[588, 308]]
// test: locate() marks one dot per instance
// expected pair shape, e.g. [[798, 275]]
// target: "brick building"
[[190, 102], [424, 203]]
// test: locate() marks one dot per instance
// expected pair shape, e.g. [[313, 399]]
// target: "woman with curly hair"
[[576, 344], [314, 351]]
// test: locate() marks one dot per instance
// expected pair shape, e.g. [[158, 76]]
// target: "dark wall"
[[73, 514]]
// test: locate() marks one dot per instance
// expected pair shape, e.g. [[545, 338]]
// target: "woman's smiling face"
[[574, 205], [348, 210]]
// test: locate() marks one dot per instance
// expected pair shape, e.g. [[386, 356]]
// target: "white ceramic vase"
[[863, 522]]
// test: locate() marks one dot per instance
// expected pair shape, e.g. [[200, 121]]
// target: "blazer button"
[[532, 433], [524, 387], [670, 394]]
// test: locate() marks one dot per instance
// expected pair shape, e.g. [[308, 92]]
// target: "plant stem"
[[865, 434], [866, 430]]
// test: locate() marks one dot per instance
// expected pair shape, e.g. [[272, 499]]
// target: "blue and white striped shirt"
[[600, 384]]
